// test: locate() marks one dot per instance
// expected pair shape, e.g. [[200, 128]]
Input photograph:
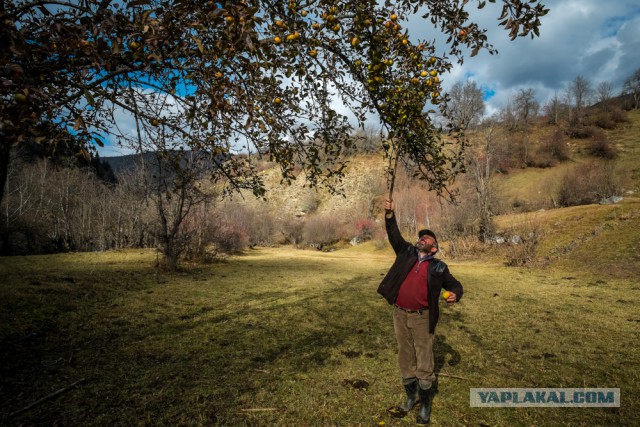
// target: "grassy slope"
[[534, 184], [280, 337], [594, 238]]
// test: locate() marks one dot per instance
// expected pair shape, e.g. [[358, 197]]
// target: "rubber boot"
[[424, 416], [412, 394]]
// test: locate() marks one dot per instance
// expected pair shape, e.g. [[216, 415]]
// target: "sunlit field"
[[279, 336]]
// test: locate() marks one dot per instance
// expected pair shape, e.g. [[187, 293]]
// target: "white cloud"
[[597, 40]]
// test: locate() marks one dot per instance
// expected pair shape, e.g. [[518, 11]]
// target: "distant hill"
[[128, 162]]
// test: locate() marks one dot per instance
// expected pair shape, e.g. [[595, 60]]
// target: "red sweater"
[[413, 291]]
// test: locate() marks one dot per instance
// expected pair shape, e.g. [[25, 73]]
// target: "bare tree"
[[554, 109], [508, 115], [526, 107], [517, 116], [579, 92], [466, 105], [175, 191], [604, 93], [481, 167], [632, 87]]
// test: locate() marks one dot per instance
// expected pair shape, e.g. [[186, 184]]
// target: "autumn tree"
[[258, 76]]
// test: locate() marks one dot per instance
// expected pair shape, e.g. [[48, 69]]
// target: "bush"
[[604, 121], [618, 115], [310, 202], [581, 132], [522, 250], [322, 230], [292, 231], [255, 222], [556, 145], [365, 229], [520, 241], [552, 149], [465, 246], [587, 183], [230, 238], [601, 147], [610, 119], [542, 159]]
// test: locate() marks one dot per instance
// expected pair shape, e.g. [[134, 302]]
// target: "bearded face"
[[426, 244]]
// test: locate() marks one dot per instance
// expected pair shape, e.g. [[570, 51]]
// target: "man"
[[413, 286]]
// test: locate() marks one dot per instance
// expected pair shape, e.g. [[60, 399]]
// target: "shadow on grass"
[[193, 361]]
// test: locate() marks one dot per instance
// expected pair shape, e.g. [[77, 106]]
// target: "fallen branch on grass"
[[258, 409], [52, 395], [444, 374]]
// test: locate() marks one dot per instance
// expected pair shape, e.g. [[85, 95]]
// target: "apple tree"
[[266, 78]]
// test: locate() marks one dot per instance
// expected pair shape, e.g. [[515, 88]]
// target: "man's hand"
[[389, 206], [449, 297]]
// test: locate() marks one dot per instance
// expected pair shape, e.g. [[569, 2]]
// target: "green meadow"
[[278, 336]]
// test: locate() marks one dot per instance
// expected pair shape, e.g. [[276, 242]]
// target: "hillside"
[[565, 236], [582, 237], [590, 237]]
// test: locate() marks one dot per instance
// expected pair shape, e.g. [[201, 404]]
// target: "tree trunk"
[[5, 158]]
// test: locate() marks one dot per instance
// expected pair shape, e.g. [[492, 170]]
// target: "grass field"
[[287, 337]]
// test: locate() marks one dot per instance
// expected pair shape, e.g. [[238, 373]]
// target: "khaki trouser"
[[415, 346]]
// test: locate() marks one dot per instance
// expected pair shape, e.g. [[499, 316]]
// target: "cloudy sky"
[[598, 40]]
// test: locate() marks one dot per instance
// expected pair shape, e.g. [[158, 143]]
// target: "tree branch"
[[47, 397]]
